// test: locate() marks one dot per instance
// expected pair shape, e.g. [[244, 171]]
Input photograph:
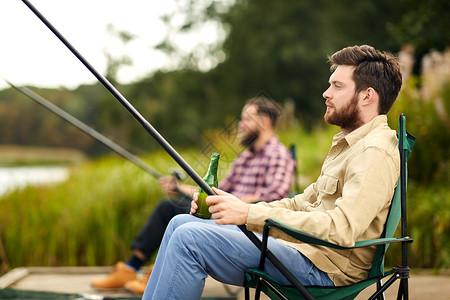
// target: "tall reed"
[[88, 220]]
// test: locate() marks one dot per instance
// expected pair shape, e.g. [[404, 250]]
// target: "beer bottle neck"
[[211, 175]]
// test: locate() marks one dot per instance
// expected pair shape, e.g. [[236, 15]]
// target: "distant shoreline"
[[15, 155]]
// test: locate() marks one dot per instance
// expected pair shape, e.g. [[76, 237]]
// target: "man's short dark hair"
[[373, 68], [266, 107]]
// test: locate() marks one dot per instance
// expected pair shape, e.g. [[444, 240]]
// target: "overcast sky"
[[30, 54]]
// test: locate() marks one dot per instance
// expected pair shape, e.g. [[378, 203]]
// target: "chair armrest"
[[310, 239]]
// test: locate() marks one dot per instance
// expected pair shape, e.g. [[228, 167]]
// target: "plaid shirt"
[[267, 173]]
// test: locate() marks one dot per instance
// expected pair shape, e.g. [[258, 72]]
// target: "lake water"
[[19, 177]]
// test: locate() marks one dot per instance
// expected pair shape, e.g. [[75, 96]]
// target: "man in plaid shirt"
[[263, 172]]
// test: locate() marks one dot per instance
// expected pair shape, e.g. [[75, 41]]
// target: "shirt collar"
[[361, 132], [273, 140]]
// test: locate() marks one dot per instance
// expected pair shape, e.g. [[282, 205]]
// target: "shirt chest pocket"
[[327, 186]]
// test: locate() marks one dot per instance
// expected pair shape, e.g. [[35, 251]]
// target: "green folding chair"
[[258, 279]]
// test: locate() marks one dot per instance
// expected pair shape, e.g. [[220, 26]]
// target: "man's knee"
[[189, 233], [181, 219]]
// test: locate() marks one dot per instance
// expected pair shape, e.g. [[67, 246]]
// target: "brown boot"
[[138, 286], [120, 275]]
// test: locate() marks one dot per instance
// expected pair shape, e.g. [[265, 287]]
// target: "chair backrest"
[[398, 204], [296, 187]]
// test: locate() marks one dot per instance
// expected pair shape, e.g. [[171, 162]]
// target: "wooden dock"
[[74, 283]]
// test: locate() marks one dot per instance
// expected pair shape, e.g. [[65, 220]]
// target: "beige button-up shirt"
[[349, 201]]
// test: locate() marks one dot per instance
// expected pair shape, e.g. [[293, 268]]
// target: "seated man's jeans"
[[192, 248], [152, 233]]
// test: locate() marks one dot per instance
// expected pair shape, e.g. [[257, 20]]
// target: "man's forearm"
[[251, 199], [187, 189]]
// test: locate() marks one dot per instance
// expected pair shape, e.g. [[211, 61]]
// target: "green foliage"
[[429, 219], [23, 122], [425, 101], [29, 156], [430, 161], [422, 24], [428, 224], [281, 47], [178, 106]]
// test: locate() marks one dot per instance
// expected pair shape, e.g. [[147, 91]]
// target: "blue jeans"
[[192, 248], [152, 233]]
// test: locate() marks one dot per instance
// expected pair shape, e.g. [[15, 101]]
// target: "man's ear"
[[370, 96], [266, 121]]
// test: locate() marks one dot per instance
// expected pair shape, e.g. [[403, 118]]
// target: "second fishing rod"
[[93, 133]]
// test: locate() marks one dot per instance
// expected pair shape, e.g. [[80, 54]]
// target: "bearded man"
[[263, 172], [349, 201]]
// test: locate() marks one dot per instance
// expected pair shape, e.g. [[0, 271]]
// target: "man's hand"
[[227, 209], [169, 185], [194, 205]]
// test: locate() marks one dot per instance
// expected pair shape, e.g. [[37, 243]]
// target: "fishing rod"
[[147, 126], [163, 143], [95, 134], [90, 131]]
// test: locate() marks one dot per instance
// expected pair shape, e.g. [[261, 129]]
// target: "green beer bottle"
[[211, 179]]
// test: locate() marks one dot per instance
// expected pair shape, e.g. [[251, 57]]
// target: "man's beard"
[[249, 139], [348, 118]]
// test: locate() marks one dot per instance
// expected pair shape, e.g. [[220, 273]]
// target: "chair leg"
[[258, 290], [403, 273], [380, 289], [247, 293], [403, 289], [379, 285]]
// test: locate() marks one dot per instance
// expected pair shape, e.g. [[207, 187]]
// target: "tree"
[[280, 47], [424, 25]]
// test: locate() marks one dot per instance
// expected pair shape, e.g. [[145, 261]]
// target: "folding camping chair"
[[256, 278]]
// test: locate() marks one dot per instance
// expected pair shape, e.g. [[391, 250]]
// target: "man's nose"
[[326, 94]]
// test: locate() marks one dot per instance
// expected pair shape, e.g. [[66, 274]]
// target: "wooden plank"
[[13, 276]]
